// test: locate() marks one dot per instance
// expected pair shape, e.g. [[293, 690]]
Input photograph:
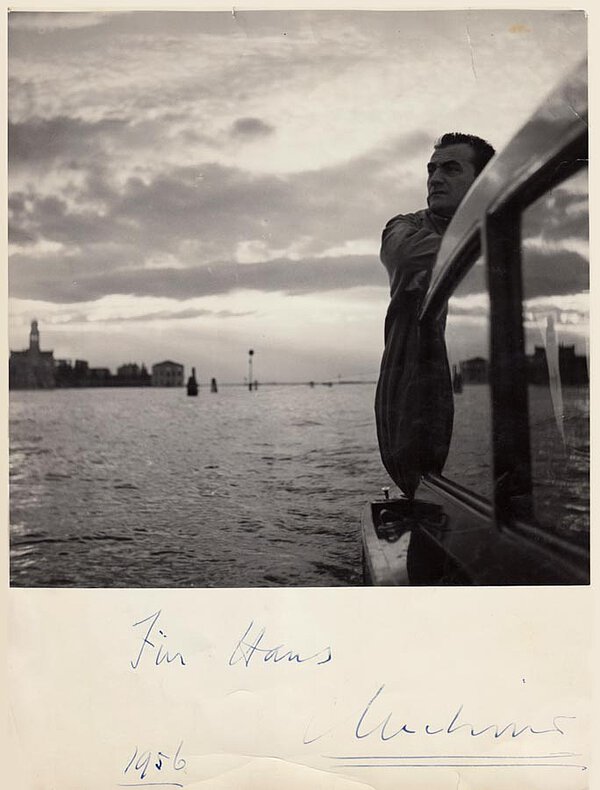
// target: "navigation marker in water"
[[192, 384], [250, 355]]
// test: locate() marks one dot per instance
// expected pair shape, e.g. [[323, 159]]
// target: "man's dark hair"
[[482, 150]]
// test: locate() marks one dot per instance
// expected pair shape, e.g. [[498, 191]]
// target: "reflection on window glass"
[[467, 338], [556, 322]]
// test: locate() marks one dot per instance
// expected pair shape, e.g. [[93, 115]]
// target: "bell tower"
[[34, 337]]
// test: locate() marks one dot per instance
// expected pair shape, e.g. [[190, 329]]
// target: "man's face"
[[451, 173]]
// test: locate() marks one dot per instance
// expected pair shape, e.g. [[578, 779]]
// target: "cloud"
[[158, 315], [113, 237], [285, 276], [561, 214], [546, 271], [121, 150], [51, 220], [45, 140], [476, 309], [41, 22], [18, 236], [551, 273], [251, 128], [197, 216]]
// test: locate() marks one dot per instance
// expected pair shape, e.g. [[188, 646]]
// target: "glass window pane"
[[467, 339], [556, 321]]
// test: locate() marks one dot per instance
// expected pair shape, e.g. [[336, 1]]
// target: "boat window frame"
[[455, 269], [496, 236], [503, 244]]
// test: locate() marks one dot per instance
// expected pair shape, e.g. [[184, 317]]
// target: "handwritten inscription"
[[251, 647], [145, 768], [377, 722], [156, 649]]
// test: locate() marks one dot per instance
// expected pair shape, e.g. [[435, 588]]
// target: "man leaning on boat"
[[413, 405]]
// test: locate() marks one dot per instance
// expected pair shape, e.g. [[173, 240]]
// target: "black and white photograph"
[[298, 298]]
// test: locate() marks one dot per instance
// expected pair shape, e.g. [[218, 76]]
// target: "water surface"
[[147, 487]]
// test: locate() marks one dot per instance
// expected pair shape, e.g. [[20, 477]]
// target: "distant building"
[[81, 375], [145, 377], [32, 368], [67, 375], [129, 371], [132, 375], [474, 371], [100, 377], [63, 373], [572, 368], [167, 374]]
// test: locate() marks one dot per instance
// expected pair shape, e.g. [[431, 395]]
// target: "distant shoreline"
[[243, 385]]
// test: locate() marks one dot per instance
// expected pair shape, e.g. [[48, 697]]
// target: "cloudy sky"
[[192, 185]]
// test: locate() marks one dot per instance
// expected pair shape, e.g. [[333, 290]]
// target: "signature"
[[156, 648], [384, 725], [251, 645]]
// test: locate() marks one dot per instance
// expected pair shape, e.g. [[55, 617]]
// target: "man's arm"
[[409, 247]]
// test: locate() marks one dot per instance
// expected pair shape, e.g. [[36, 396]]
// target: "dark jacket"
[[413, 405]]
